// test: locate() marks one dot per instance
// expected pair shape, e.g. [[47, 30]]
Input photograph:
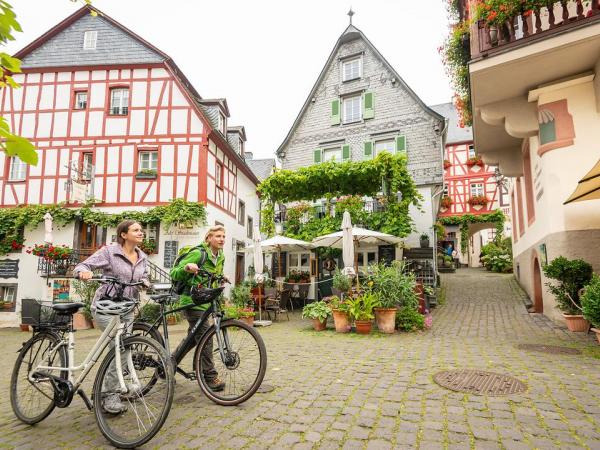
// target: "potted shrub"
[[590, 304], [409, 318], [424, 240], [389, 282], [339, 311], [85, 290], [317, 311], [571, 277], [341, 282], [361, 311], [247, 315]]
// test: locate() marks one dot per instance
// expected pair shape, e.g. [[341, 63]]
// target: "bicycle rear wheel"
[[32, 399], [242, 368], [147, 403]]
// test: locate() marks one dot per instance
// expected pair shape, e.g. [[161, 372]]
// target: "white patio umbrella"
[[347, 245], [280, 243], [359, 236], [258, 275]]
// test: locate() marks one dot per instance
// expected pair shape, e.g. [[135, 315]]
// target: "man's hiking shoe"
[[216, 384]]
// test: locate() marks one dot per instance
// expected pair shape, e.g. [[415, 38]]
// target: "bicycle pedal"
[[190, 376]]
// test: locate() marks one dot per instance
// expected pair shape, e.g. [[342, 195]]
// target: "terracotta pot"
[[318, 325], [363, 326], [421, 294], [80, 322], [341, 322], [386, 319], [24, 327], [597, 331], [94, 324], [576, 322], [171, 320], [248, 320]]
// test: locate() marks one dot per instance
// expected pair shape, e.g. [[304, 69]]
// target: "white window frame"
[[17, 169], [79, 103], [332, 154], [477, 189], [297, 265], [241, 216], [219, 175], [352, 75], [241, 147], [222, 120], [249, 226], [355, 100], [12, 288], [119, 101], [390, 146], [471, 151], [148, 160], [87, 162], [90, 38], [364, 255]]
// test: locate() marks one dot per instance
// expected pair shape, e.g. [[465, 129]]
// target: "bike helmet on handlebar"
[[202, 295], [109, 306]]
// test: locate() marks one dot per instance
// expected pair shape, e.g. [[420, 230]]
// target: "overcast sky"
[[265, 55]]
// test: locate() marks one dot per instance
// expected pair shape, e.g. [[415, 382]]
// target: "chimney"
[[247, 155]]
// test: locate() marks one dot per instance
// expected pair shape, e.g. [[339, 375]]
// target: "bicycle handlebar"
[[115, 281]]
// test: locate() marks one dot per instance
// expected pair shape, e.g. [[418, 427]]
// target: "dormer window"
[[352, 69], [221, 124], [89, 40]]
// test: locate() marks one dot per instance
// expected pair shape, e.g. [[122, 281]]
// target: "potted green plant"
[[360, 310], [339, 311], [409, 318], [85, 290], [571, 276], [590, 304], [342, 283], [424, 240], [317, 311]]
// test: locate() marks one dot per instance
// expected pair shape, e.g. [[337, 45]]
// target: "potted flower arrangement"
[[478, 201], [424, 240], [296, 276], [361, 311], [446, 202], [447, 164], [317, 311], [339, 311], [590, 304], [475, 161], [571, 277], [51, 252]]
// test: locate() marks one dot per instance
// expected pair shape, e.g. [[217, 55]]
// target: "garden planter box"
[[576, 323], [386, 319], [363, 326], [318, 325], [341, 322]]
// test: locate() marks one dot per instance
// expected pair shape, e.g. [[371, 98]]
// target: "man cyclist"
[[206, 257]]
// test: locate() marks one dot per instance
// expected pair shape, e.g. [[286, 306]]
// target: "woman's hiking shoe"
[[112, 404]]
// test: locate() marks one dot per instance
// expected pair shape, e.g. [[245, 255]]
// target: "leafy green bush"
[[86, 290], [341, 282], [572, 275], [590, 301], [409, 319], [150, 312], [361, 307], [316, 310], [394, 283], [497, 257], [240, 295], [334, 302]]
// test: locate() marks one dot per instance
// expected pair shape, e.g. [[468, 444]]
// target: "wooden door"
[[239, 268], [88, 238]]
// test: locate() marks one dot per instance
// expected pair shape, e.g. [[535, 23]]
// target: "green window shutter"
[[400, 144], [335, 112], [547, 132], [345, 152], [317, 156], [368, 105], [368, 153]]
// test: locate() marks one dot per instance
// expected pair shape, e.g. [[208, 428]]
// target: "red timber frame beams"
[[459, 177]]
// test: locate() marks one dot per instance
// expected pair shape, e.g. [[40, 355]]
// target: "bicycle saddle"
[[67, 308]]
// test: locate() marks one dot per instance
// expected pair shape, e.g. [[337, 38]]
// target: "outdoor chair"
[[278, 305]]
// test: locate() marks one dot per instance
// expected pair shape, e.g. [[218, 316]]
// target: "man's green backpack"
[[181, 286]]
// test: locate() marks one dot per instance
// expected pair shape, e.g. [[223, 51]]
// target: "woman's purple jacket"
[[113, 263]]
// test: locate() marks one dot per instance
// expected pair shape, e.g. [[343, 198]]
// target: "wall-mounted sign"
[[543, 255], [9, 268], [170, 253]]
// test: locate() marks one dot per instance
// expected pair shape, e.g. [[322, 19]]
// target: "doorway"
[[239, 268], [538, 300], [88, 237]]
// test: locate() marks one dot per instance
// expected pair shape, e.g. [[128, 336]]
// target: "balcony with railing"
[[533, 25]]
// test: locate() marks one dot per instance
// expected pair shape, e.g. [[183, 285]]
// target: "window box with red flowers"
[[478, 202], [475, 161], [447, 164], [11, 244], [446, 202], [54, 259]]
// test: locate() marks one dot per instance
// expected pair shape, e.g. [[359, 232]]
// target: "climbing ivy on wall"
[[463, 221]]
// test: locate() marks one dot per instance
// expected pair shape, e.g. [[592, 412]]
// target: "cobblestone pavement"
[[376, 392]]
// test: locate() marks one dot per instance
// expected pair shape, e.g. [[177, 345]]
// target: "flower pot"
[[341, 322], [318, 325], [386, 319], [24, 327], [94, 323], [248, 320], [493, 35], [424, 243], [80, 322], [597, 331], [363, 326], [172, 319], [443, 209], [477, 207], [576, 322], [475, 168]]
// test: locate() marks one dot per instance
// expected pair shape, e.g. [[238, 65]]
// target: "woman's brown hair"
[[123, 227]]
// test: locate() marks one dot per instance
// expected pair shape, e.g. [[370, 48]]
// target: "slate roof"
[[455, 132], [262, 168]]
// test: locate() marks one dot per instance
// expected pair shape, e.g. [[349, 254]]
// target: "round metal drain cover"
[[549, 349], [479, 382]]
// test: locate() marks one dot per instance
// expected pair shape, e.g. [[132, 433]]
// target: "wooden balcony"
[[528, 28]]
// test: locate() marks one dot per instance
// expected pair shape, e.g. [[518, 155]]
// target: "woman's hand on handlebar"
[[85, 275]]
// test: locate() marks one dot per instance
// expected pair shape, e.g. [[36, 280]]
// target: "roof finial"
[[350, 14]]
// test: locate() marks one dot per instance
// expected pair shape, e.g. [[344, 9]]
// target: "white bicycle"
[[136, 371]]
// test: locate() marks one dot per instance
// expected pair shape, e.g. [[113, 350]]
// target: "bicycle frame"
[[114, 331]]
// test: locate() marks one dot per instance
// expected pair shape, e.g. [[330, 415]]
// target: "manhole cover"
[[478, 382], [549, 349]]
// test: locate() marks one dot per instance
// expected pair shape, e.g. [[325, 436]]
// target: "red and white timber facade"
[[139, 132], [464, 181]]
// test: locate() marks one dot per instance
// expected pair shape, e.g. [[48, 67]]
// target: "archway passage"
[[538, 301]]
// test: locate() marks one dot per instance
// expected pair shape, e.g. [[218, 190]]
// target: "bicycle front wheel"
[[131, 419], [241, 367], [32, 394]]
